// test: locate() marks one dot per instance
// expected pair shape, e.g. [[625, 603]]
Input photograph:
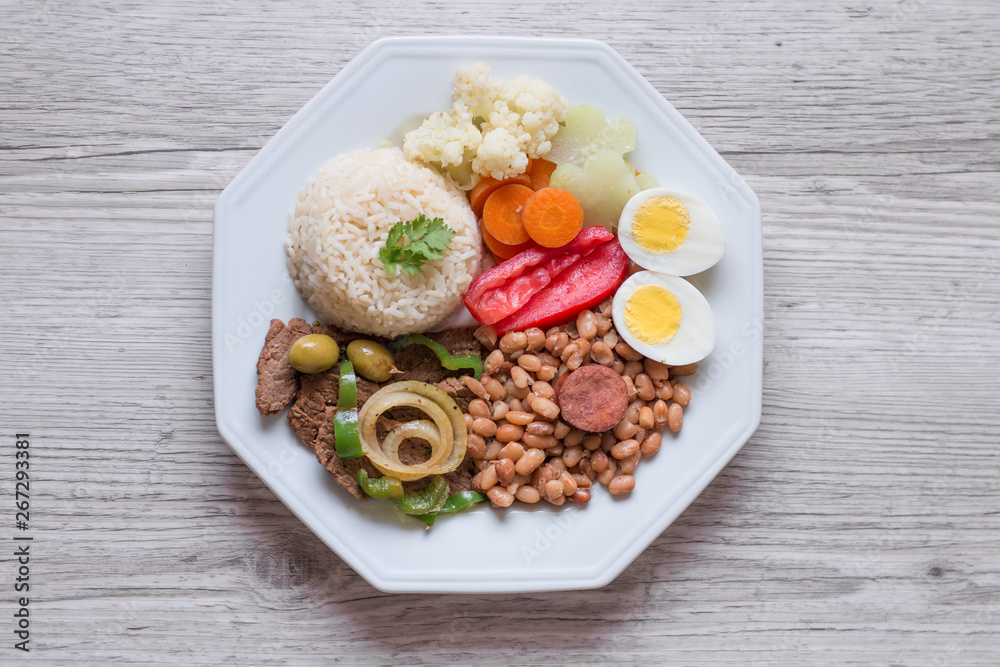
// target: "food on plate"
[[345, 420], [540, 172], [502, 251], [314, 398], [313, 353], [425, 240], [493, 128], [587, 132], [671, 232], [593, 398], [442, 427], [590, 154], [453, 362], [552, 218], [341, 222], [488, 185], [502, 214], [276, 379], [505, 288], [585, 283], [665, 318], [429, 501], [385, 487], [523, 444], [602, 186], [371, 360], [575, 372]]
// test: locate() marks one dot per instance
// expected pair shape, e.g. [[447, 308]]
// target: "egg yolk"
[[661, 225], [653, 314]]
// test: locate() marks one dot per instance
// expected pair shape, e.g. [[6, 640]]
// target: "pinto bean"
[[500, 496], [486, 479], [535, 338], [624, 350], [602, 354], [651, 444], [624, 449], [675, 417], [493, 361], [545, 408], [476, 446], [599, 461], [665, 391], [505, 471], [644, 387], [682, 395], [621, 485], [572, 456], [513, 341], [520, 418], [528, 494], [628, 464], [586, 325], [646, 420], [512, 451], [657, 372], [509, 433], [529, 362], [540, 428], [495, 388], [529, 462], [479, 408], [681, 371]]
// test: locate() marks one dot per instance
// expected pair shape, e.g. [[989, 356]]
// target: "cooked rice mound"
[[340, 222]]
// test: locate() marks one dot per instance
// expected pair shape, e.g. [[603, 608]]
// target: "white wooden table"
[[860, 525]]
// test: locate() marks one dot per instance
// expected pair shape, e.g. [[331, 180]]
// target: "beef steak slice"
[[276, 379]]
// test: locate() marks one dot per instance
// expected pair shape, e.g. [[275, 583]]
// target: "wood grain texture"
[[859, 526]]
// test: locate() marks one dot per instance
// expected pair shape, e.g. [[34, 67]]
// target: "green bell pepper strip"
[[345, 421], [453, 362], [456, 502], [380, 487], [428, 501]]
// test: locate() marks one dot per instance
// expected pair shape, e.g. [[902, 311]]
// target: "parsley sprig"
[[425, 241]]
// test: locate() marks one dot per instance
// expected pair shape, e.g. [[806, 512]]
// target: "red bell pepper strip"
[[587, 283], [507, 287]]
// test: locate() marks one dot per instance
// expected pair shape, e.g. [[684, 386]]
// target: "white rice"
[[340, 222]]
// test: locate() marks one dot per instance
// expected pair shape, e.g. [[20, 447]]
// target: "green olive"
[[371, 360], [313, 353]]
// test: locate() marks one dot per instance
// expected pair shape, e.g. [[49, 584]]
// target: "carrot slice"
[[540, 173], [487, 186], [552, 218], [502, 214], [502, 251]]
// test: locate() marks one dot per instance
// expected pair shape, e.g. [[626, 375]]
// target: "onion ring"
[[445, 431]]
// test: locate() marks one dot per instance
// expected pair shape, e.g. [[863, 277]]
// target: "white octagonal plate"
[[382, 91]]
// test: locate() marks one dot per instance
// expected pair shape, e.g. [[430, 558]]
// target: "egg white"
[[695, 337], [702, 249]]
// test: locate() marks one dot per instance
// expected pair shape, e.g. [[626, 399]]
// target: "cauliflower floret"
[[444, 138], [475, 89], [517, 120], [540, 109], [500, 155]]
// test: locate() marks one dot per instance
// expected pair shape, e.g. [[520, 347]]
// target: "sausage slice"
[[592, 398]]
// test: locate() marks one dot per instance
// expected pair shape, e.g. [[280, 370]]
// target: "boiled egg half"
[[664, 318], [671, 232]]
